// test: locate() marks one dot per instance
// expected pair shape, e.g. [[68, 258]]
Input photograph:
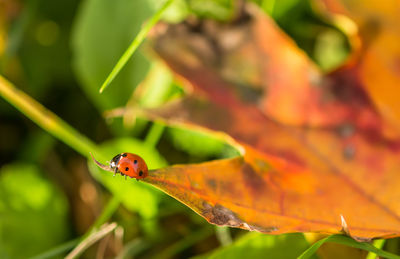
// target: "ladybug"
[[129, 164]]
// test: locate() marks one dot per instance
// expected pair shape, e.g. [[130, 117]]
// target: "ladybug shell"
[[132, 165]]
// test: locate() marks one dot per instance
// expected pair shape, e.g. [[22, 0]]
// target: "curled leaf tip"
[[345, 228], [104, 167]]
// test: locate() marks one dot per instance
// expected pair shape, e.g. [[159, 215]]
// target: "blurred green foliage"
[[222, 10], [199, 144], [33, 212], [60, 52], [256, 245], [102, 32]]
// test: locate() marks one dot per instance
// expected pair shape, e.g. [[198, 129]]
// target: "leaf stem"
[[106, 214], [223, 235], [154, 134], [94, 234], [378, 244], [91, 239], [46, 119], [135, 44]]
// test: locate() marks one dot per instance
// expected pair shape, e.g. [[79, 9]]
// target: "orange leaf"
[[336, 163], [287, 181]]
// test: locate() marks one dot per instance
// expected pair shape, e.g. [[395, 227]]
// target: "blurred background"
[[59, 53]]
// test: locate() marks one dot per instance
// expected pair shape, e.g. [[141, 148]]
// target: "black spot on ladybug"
[[135, 162], [126, 168], [124, 154], [140, 173]]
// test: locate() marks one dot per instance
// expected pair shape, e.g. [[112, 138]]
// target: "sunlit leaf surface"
[[315, 147]]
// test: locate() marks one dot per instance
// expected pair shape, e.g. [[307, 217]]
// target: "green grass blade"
[[105, 215], [135, 44], [133, 248], [91, 239], [56, 251], [223, 235], [189, 240], [379, 243], [46, 119], [154, 134], [345, 240]]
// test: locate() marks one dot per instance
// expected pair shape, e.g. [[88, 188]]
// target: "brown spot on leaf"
[[262, 165], [346, 130], [221, 216], [212, 184], [349, 152], [252, 179]]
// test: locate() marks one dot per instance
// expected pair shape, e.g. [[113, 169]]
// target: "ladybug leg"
[[137, 179], [125, 177], [115, 171]]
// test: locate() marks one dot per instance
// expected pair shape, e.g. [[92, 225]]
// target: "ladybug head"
[[114, 162]]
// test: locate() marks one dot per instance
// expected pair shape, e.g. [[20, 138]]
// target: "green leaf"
[[45, 118], [176, 12], [330, 49], [257, 245], [33, 212], [158, 86], [200, 144], [103, 31], [345, 240], [280, 8], [222, 10]]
